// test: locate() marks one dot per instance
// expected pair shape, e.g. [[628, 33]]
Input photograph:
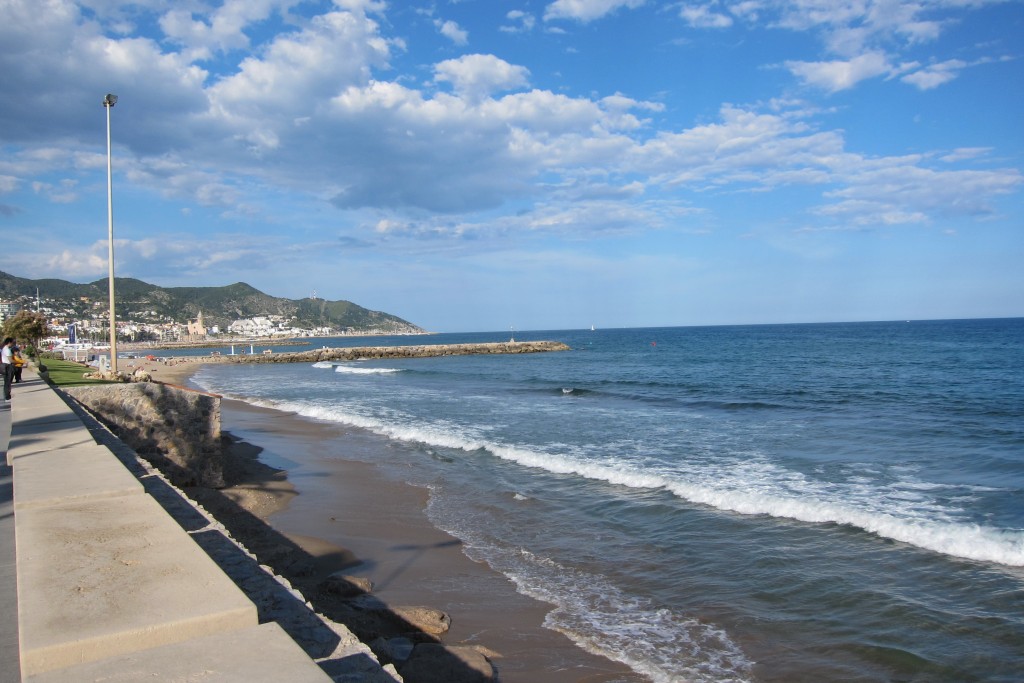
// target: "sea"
[[807, 502]]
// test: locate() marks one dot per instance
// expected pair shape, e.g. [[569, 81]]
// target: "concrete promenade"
[[10, 666], [99, 582]]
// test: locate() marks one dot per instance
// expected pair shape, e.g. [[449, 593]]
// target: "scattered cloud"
[[836, 75], [477, 76], [965, 154], [266, 118], [452, 31], [520, 22], [586, 10], [704, 16]]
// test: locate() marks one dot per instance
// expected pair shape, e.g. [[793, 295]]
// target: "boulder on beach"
[[346, 586], [426, 619], [436, 663]]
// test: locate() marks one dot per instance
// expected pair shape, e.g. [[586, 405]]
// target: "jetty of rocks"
[[380, 352]]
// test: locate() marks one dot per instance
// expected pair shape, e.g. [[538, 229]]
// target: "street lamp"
[[108, 102]]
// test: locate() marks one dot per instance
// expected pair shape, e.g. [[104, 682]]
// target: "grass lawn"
[[66, 373]]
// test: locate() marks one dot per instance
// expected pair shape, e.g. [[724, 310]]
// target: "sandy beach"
[[307, 500]]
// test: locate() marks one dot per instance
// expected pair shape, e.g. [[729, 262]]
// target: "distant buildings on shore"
[[7, 310], [274, 326], [91, 324]]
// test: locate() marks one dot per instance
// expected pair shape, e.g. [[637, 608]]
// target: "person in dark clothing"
[[7, 357]]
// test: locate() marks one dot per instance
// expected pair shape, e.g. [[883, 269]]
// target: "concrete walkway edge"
[[107, 582]]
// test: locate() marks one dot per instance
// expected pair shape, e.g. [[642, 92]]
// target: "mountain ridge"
[[144, 302]]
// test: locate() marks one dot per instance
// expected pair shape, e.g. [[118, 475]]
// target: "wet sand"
[[316, 485]]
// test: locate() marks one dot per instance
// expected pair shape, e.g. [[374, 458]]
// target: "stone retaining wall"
[[176, 429]]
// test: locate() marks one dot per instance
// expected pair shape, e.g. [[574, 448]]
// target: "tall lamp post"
[[108, 102]]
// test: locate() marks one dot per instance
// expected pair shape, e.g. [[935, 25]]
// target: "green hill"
[[143, 302]]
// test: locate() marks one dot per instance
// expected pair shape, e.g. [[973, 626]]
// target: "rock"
[[435, 663], [392, 649], [426, 619], [346, 586]]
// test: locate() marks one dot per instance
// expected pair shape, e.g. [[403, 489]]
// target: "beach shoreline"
[[307, 515]]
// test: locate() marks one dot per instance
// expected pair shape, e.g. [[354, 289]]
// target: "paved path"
[[10, 671], [198, 620]]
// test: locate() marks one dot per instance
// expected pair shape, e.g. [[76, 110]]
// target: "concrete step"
[[98, 578], [77, 473], [259, 653], [41, 421]]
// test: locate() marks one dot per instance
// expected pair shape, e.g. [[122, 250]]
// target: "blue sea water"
[[826, 502]]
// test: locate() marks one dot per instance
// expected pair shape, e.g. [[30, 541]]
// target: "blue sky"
[[486, 164]]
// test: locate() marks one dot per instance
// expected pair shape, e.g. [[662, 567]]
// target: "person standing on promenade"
[[18, 360], [7, 357]]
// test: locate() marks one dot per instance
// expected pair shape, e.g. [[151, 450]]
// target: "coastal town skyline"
[[538, 165]]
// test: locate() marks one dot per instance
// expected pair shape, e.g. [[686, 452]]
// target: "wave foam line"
[[968, 541], [653, 641], [663, 645], [364, 371], [345, 368]]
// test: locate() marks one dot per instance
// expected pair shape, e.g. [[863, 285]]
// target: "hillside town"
[[88, 322]]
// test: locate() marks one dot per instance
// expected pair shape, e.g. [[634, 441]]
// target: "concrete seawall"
[[114, 586], [176, 429], [416, 351]]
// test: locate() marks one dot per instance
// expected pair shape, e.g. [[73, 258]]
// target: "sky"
[[480, 165]]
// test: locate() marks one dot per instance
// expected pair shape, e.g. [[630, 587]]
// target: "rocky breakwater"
[[382, 352]]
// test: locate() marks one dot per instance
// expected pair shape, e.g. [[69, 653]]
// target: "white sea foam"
[[324, 364], [757, 491], [760, 493], [747, 486], [661, 644], [364, 371], [968, 541], [656, 642]]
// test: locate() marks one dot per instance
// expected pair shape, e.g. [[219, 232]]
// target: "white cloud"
[[223, 29], [586, 10], [966, 153], [316, 111], [522, 22], [894, 190], [850, 28], [703, 16], [335, 50], [934, 75], [63, 193], [362, 6], [864, 34], [75, 264], [452, 31], [477, 76], [839, 75]]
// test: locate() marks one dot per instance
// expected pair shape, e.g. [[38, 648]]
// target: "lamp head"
[[109, 100]]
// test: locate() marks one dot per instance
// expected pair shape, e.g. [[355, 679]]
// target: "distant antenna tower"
[[313, 295]]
